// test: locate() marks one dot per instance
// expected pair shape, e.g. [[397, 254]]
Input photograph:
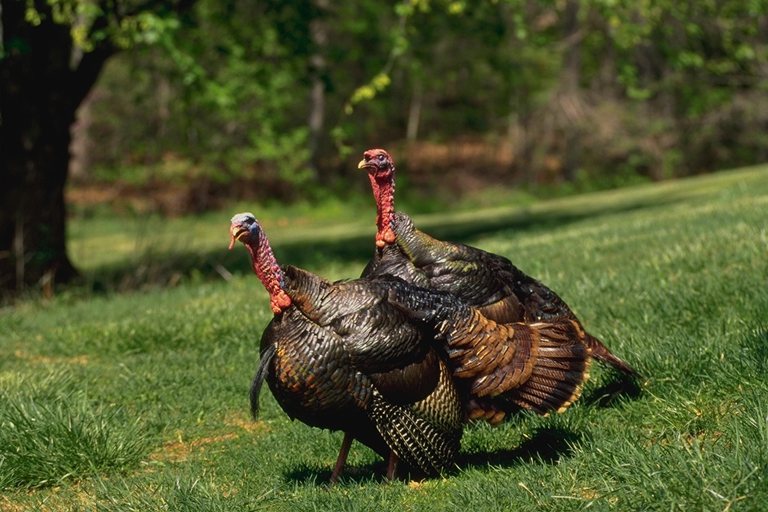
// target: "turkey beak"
[[235, 234], [364, 164]]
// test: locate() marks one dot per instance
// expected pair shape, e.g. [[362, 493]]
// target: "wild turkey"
[[367, 357], [340, 356], [490, 282]]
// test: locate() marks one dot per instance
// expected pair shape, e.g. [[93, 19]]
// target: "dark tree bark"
[[42, 83], [39, 95]]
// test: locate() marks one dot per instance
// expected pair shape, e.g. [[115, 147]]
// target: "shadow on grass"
[[167, 268], [620, 387], [547, 445], [352, 474]]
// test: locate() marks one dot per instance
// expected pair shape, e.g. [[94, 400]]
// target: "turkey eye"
[[381, 158]]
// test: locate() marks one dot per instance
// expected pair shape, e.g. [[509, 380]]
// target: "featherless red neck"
[[384, 193], [269, 273], [247, 230], [381, 172]]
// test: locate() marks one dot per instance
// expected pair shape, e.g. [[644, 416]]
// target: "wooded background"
[[289, 94], [195, 103]]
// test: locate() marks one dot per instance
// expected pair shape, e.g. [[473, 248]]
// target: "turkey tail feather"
[[258, 379], [557, 377], [540, 366], [601, 353]]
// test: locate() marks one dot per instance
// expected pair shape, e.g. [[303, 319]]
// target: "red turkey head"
[[381, 173], [378, 163], [246, 229]]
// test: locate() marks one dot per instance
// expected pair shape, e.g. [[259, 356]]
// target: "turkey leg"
[[342, 458], [392, 465]]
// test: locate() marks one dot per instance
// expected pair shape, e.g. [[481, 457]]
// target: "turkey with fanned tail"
[[395, 365], [484, 280]]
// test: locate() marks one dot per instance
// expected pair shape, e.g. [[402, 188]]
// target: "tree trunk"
[[39, 95], [414, 112], [318, 29], [82, 144], [570, 94]]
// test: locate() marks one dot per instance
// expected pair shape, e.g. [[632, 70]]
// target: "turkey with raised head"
[[490, 282], [341, 356]]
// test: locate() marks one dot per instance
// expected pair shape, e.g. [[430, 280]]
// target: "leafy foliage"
[[590, 92]]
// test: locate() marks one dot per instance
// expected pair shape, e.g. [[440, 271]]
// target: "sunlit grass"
[[138, 400], [50, 432]]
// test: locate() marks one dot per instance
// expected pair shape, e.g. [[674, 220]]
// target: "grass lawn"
[[133, 396]]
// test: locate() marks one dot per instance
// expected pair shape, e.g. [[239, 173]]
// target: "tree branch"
[[90, 65], [87, 71]]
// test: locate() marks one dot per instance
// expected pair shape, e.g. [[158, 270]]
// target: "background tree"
[[52, 54]]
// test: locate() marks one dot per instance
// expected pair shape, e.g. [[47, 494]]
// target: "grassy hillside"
[[138, 400]]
